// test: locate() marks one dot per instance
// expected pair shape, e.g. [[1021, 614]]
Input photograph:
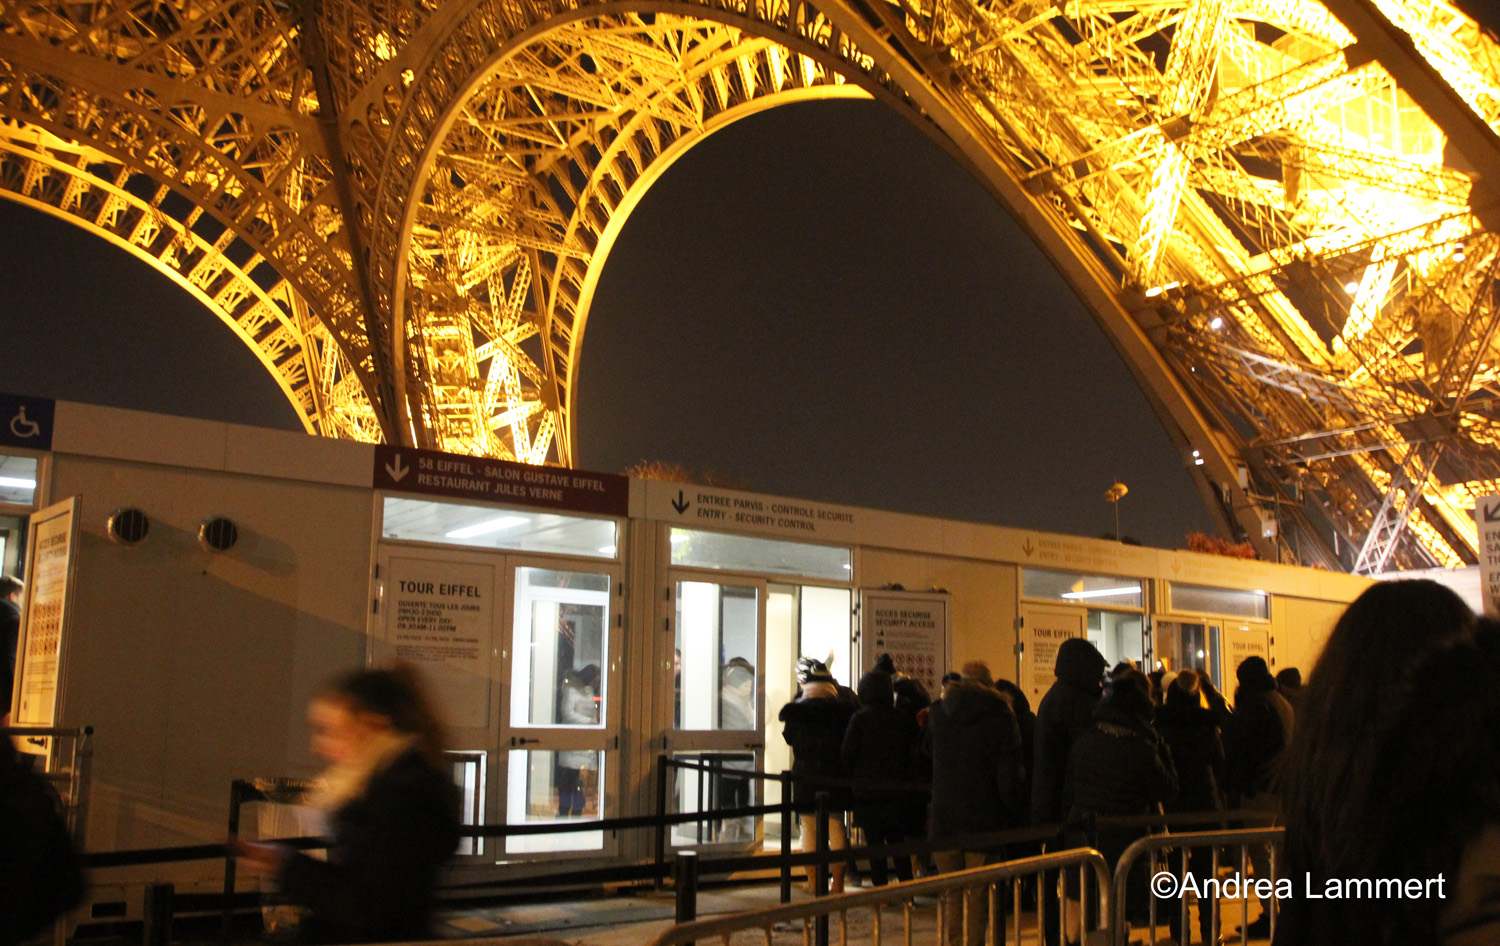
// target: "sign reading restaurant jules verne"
[[499, 481]]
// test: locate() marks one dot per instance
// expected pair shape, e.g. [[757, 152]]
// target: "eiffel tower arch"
[[1280, 211]]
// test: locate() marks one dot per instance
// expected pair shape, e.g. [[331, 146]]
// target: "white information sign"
[[1487, 516], [912, 628], [440, 616], [1042, 632], [39, 652], [1240, 645]]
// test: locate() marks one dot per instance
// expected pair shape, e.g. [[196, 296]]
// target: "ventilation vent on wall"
[[218, 534], [128, 526]]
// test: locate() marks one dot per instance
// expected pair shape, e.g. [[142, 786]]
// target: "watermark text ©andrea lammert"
[[1169, 886]]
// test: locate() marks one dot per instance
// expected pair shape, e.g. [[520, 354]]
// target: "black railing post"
[[236, 790], [156, 916], [786, 837], [820, 882], [661, 823], [685, 882]]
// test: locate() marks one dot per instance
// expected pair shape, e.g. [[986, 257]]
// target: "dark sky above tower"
[[816, 301]]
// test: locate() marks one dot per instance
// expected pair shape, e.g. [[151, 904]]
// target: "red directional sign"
[[499, 481]]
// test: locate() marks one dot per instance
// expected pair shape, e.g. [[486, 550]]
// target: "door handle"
[[521, 740], [755, 745]]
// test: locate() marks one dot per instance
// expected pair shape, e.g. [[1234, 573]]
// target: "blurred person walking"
[[393, 813]]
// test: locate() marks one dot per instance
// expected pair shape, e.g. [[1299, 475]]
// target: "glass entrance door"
[[718, 709], [561, 705]]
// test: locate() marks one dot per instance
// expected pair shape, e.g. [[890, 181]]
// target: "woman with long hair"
[[1392, 772], [392, 808]]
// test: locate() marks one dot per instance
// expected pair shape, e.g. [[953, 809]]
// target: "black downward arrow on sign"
[[1492, 513], [680, 504]]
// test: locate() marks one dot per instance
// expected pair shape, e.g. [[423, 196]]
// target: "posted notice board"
[[51, 551], [910, 626]]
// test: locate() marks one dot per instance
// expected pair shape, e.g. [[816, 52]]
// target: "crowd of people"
[[1104, 743], [1387, 765]]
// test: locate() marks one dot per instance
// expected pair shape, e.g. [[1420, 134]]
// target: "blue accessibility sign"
[[26, 421]]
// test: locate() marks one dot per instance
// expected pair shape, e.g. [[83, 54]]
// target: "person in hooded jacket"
[[814, 725], [1191, 731], [1119, 766], [1066, 710], [977, 766], [878, 750], [1256, 737]]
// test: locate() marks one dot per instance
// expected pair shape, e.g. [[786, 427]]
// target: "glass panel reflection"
[[554, 787], [714, 787], [717, 641], [558, 676]]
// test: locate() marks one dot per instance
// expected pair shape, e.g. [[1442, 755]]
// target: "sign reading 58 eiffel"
[[410, 470], [1487, 517]]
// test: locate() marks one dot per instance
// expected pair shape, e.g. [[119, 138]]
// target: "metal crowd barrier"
[[953, 896], [1152, 846]]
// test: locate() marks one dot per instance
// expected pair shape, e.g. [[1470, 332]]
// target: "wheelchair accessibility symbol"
[[23, 427]]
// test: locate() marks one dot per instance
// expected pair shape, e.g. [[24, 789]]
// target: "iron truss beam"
[[1281, 211]]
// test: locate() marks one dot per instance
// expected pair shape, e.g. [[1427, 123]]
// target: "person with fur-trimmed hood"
[[814, 725]]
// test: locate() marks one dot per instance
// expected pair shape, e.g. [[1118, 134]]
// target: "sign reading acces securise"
[[499, 481]]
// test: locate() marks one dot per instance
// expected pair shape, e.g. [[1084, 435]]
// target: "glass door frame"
[[499, 738], [603, 739], [674, 741]]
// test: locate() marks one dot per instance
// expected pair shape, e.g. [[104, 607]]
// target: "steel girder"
[[1279, 210]]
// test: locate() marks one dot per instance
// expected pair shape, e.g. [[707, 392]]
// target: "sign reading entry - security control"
[[499, 481], [26, 421], [711, 508]]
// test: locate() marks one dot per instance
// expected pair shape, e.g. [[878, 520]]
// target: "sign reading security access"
[[708, 507], [499, 481]]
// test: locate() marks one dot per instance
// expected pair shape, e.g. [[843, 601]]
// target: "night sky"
[[817, 301]]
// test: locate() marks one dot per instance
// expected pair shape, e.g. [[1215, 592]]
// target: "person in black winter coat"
[[1066, 710], [393, 814], [39, 874], [813, 726], [878, 748], [1191, 731], [1256, 737], [1119, 766], [977, 767]]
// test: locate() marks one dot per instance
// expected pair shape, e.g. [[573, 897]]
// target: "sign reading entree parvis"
[[499, 481]]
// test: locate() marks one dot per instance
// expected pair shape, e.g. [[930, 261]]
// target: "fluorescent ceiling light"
[[489, 525], [678, 537], [1103, 592], [607, 549], [18, 482]]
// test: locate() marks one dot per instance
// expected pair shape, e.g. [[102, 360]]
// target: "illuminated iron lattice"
[[1282, 211]]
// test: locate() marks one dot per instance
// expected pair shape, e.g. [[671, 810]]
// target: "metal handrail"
[[808, 912], [1151, 844]]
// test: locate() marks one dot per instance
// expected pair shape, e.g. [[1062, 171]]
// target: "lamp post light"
[[1113, 495]]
